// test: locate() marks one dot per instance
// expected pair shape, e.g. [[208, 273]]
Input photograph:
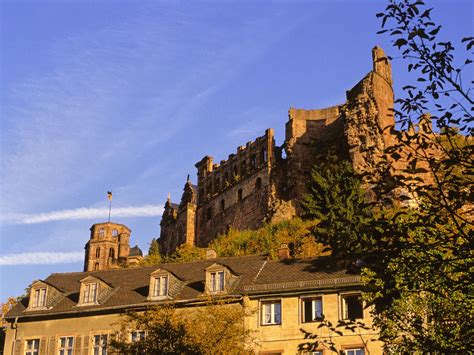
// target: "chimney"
[[211, 253], [283, 252]]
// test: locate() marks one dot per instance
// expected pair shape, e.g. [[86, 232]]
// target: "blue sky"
[[127, 96]]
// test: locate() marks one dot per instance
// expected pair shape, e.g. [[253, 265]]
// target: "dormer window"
[[217, 281], [219, 278], [39, 298], [89, 294], [160, 286]]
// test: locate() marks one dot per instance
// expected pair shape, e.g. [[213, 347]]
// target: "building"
[[262, 182], [109, 247], [78, 312]]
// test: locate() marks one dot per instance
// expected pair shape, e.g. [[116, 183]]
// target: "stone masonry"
[[257, 184]]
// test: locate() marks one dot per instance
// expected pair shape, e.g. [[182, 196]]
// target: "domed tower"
[[107, 247]]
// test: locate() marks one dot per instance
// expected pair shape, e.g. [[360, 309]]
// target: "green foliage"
[[212, 328], [154, 256], [266, 240], [418, 255], [336, 199]]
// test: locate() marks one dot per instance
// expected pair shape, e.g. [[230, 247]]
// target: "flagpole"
[[109, 196]]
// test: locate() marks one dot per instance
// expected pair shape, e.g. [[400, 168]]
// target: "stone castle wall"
[[257, 184]]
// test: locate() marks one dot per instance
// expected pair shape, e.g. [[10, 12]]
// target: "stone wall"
[[257, 184]]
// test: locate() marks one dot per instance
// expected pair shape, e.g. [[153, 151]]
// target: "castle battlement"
[[255, 184]]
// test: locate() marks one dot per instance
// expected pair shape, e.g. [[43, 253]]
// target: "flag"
[[109, 195]]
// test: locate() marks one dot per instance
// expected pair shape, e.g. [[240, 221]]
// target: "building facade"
[[79, 312], [263, 182]]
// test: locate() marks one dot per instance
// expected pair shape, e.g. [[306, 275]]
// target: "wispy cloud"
[[41, 258], [83, 213]]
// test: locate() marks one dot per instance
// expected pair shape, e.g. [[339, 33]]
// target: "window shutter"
[[43, 343], [18, 347], [77, 345], [85, 347], [52, 346]]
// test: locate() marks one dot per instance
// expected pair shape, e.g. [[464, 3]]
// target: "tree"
[[214, 327], [154, 255], [418, 256]]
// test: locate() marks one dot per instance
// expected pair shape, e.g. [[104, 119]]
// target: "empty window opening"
[[263, 155], [243, 168], [97, 253], [112, 253], [209, 213], [253, 162], [239, 195], [222, 205], [258, 183]]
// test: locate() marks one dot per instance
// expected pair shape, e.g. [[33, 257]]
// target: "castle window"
[[312, 309], [271, 312], [112, 253], [243, 168], [66, 345], [253, 162], [114, 232], [352, 306], [263, 156], [222, 204], [217, 281], [209, 213], [96, 266], [102, 232], [97, 253], [160, 286], [239, 195], [90, 293], [32, 347], [258, 183], [235, 171], [209, 189], [39, 298]]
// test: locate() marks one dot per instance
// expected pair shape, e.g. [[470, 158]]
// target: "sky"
[[126, 96]]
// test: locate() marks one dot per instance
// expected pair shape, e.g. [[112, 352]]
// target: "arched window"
[[96, 266], [97, 253], [112, 253], [258, 183], [243, 168], [114, 232], [263, 155], [102, 232], [253, 162], [239, 195], [222, 204]]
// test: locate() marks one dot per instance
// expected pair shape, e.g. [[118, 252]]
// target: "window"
[[160, 286], [239, 195], [137, 335], [317, 352], [100, 344], [90, 293], [209, 214], [217, 281], [355, 351], [32, 347], [271, 312], [66, 345], [112, 253], [263, 156], [96, 266], [222, 205], [352, 307], [253, 162], [258, 183], [102, 232], [97, 253], [312, 309], [39, 298], [243, 168], [114, 232]]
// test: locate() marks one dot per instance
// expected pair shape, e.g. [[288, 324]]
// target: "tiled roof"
[[255, 275]]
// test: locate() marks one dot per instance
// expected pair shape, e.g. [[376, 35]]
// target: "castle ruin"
[[258, 183]]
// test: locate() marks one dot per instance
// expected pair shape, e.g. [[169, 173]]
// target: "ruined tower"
[[257, 184]]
